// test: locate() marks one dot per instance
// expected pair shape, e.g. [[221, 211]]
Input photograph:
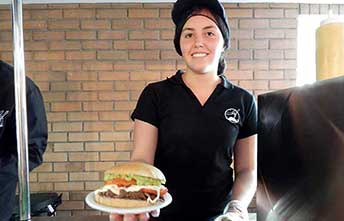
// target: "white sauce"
[[134, 188]]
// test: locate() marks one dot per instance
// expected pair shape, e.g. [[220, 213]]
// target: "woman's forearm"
[[244, 187]]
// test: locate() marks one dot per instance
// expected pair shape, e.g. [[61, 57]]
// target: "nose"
[[199, 41]]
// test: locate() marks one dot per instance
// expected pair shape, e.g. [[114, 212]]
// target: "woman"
[[192, 124]]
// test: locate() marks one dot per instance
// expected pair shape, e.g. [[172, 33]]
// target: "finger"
[[116, 217], [155, 213], [129, 217], [143, 216]]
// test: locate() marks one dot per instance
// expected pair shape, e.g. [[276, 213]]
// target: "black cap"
[[183, 9]]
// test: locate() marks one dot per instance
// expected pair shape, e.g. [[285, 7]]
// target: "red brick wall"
[[91, 62]]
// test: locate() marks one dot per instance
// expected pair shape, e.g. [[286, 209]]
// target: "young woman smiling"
[[192, 125]]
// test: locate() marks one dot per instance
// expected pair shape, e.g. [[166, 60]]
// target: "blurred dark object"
[[37, 135], [301, 153], [42, 204]]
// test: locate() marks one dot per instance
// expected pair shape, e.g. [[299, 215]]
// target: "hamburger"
[[130, 185]]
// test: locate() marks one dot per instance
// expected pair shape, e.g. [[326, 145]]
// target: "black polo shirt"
[[195, 142]]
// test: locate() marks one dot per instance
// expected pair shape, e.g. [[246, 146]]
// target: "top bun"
[[139, 169]]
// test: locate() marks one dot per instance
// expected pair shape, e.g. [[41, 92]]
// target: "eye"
[[188, 35], [210, 34]]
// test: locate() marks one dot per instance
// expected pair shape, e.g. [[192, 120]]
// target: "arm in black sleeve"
[[147, 107], [37, 125]]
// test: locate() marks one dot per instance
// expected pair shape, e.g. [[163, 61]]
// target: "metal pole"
[[20, 105]]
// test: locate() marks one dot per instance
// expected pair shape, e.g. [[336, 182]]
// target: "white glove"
[[230, 217], [234, 211]]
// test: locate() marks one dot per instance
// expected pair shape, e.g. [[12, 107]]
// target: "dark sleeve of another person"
[[37, 125]]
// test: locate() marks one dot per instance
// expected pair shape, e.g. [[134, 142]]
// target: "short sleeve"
[[249, 125], [147, 107]]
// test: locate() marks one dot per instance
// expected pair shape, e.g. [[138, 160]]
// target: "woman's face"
[[201, 43]]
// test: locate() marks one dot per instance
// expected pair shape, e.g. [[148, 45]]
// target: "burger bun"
[[139, 169]]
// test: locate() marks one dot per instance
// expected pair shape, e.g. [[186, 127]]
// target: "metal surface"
[[20, 105]]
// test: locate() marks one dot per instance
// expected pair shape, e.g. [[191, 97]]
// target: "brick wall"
[[91, 62]]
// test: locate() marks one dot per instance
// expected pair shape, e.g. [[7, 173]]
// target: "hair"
[[222, 66]]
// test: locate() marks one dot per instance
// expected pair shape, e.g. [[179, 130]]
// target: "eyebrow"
[[191, 29]]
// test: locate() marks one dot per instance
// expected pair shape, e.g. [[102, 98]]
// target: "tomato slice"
[[162, 191], [121, 182]]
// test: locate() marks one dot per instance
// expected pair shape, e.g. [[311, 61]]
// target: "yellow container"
[[330, 49]]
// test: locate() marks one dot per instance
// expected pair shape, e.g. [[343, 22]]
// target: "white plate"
[[90, 200]]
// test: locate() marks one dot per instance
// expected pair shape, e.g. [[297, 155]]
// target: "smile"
[[199, 55]]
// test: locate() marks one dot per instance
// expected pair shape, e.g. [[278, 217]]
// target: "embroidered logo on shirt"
[[2, 117], [232, 115]]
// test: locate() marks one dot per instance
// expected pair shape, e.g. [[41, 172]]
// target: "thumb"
[[155, 213]]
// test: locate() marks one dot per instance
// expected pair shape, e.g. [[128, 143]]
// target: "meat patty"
[[137, 195]]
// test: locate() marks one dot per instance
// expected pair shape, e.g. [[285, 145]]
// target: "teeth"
[[199, 55]]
